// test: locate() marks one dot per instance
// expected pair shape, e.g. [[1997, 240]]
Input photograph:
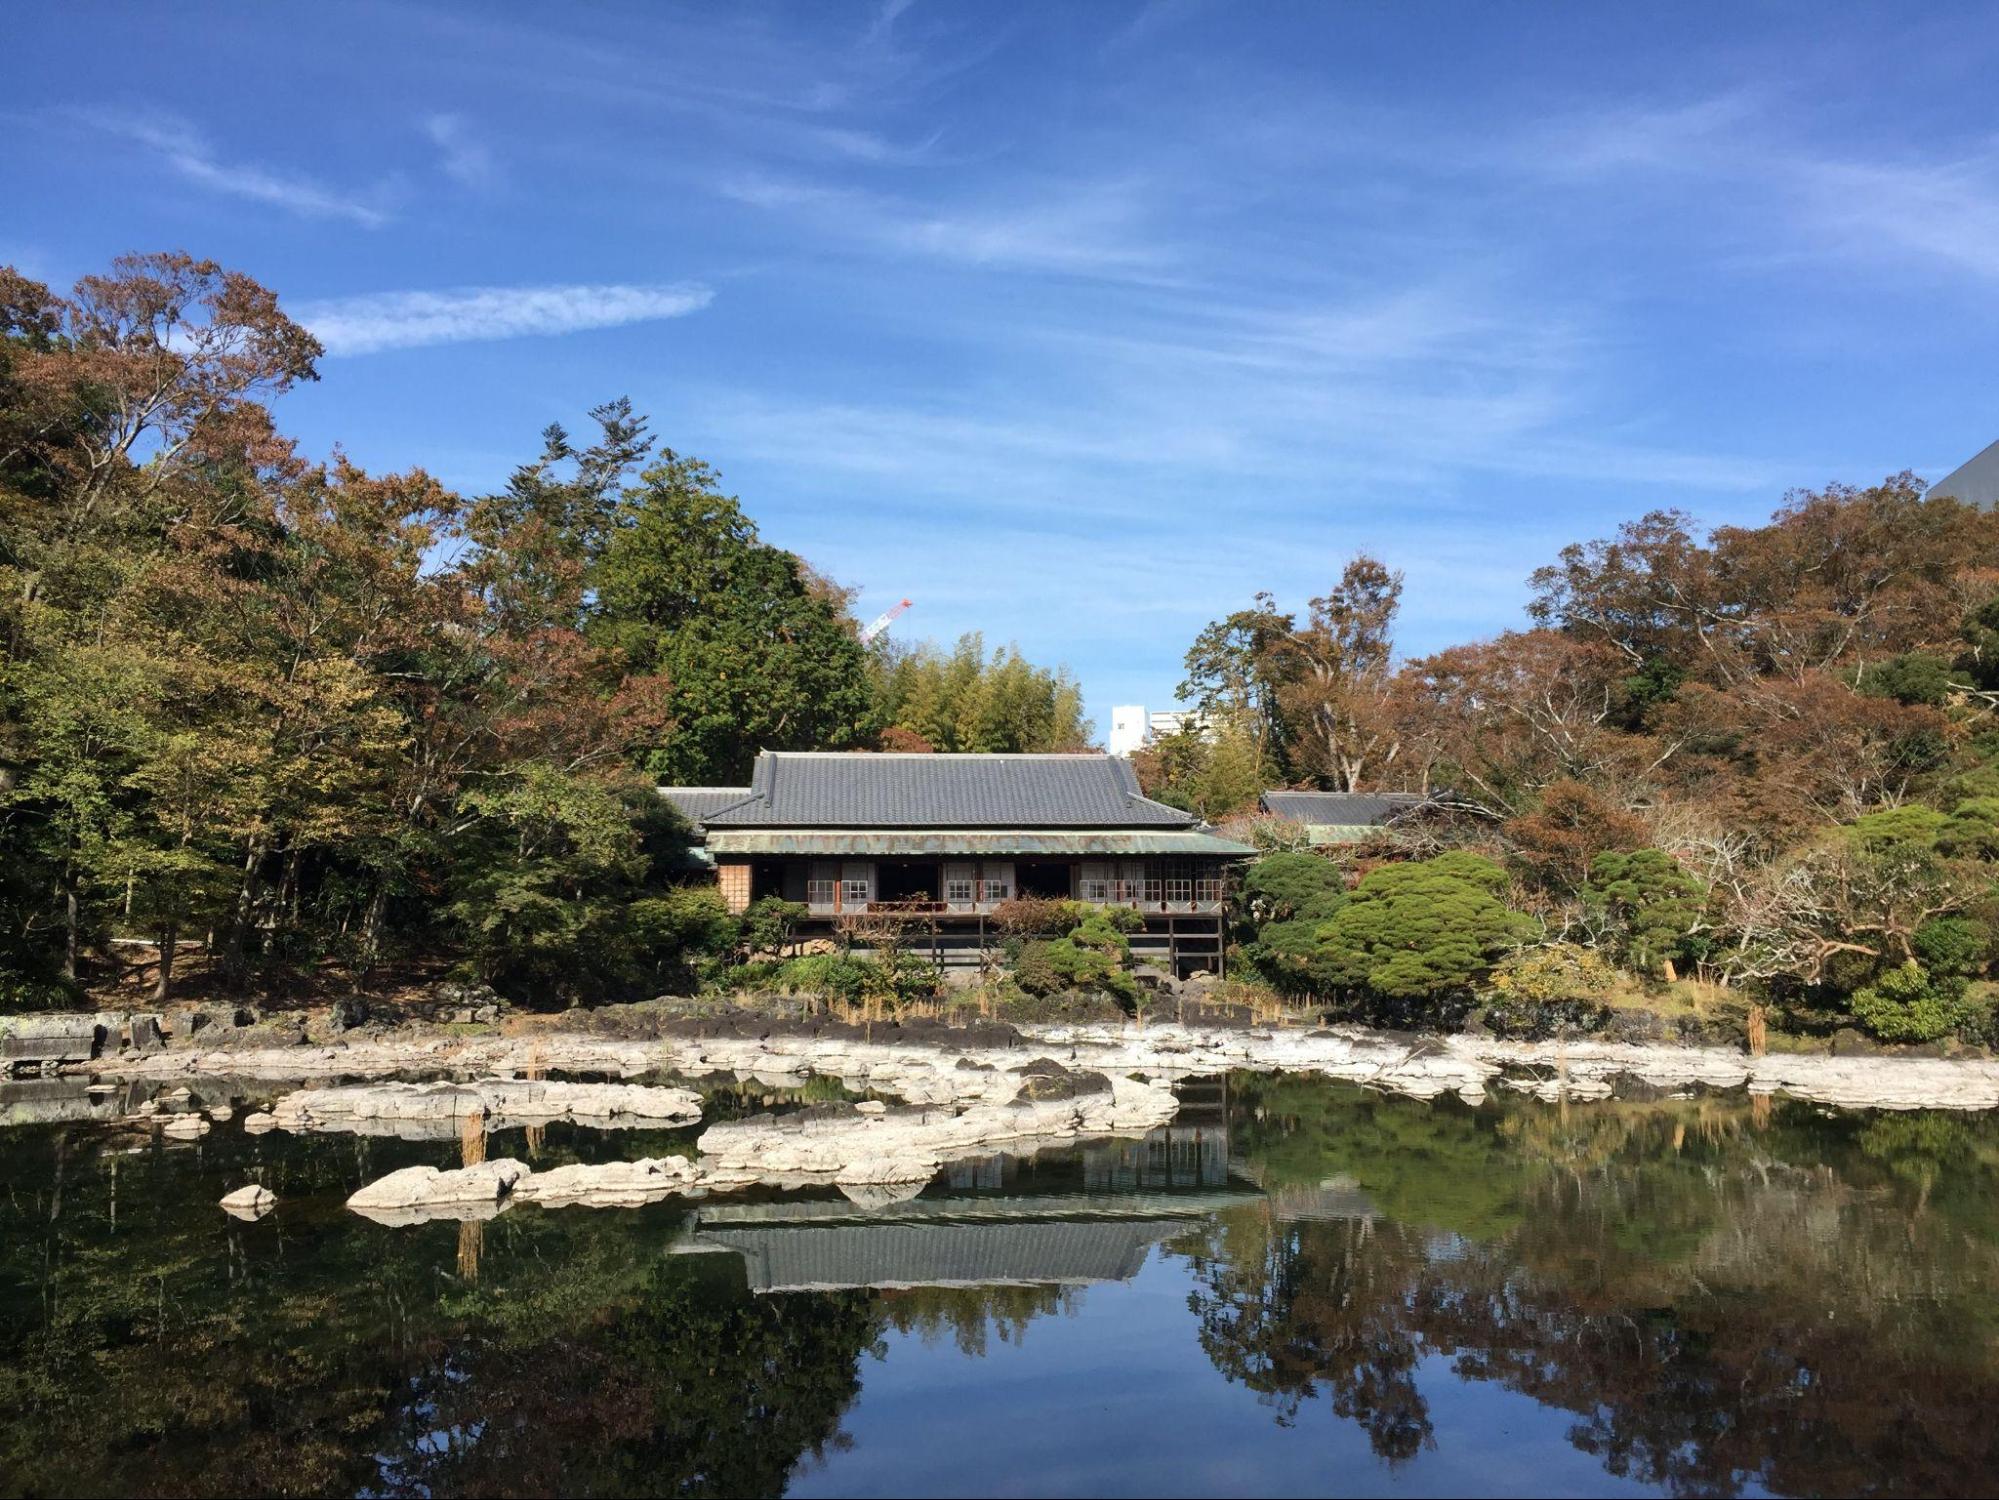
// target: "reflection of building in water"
[[1068, 1219], [830, 1257], [1179, 1155]]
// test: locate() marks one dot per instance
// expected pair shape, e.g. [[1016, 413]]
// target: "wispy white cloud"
[[464, 158], [189, 154], [407, 320], [1944, 211], [864, 146], [885, 18], [1739, 151], [1094, 229], [1682, 136]]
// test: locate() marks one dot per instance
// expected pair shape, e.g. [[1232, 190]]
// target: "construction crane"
[[882, 623]]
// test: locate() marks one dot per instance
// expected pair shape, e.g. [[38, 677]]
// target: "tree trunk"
[[371, 929], [288, 887], [69, 936], [246, 901], [169, 941]]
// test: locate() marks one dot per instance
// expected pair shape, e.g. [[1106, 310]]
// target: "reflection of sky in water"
[[1118, 1399]]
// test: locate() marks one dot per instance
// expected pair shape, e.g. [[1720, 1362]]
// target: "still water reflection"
[[1299, 1288]]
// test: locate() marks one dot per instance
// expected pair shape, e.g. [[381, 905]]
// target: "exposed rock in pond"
[[867, 1150], [617, 1184], [432, 1110], [1044, 1087], [186, 1127], [220, 1112], [415, 1194], [257, 1122], [251, 1202], [848, 1146]]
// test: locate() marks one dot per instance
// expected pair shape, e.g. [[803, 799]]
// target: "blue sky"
[[1079, 324]]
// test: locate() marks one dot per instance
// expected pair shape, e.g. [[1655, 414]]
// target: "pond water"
[[1299, 1288]]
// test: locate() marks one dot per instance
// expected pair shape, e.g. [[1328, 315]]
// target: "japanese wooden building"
[[943, 840]]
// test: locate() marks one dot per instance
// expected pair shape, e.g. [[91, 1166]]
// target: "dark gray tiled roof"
[[833, 789], [1975, 481], [697, 802], [1338, 809]]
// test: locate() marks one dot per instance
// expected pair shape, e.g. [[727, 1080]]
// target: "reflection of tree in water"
[[682, 1389], [1721, 1296], [178, 1356], [1289, 1310], [972, 1315]]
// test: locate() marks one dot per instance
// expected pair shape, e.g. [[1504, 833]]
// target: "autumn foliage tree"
[[1671, 762], [307, 718]]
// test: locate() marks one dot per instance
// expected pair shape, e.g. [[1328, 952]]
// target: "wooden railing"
[[1154, 897]]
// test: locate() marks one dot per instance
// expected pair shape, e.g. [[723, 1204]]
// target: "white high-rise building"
[[1169, 722], [1127, 728], [1132, 728]]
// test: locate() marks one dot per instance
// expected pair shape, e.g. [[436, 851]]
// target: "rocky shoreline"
[[915, 1063], [957, 1092]]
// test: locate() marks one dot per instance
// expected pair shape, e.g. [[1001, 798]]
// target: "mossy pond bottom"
[[1298, 1288]]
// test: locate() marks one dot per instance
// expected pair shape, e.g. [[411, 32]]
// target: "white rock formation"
[[421, 1111], [414, 1194], [185, 1127], [910, 1145], [617, 1184], [865, 1152], [257, 1122], [251, 1202]]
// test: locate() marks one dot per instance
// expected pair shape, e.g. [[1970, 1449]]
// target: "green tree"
[[1915, 677], [1659, 905], [1908, 1003], [1279, 887], [752, 655], [557, 896], [1212, 772], [963, 700], [1423, 929]]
